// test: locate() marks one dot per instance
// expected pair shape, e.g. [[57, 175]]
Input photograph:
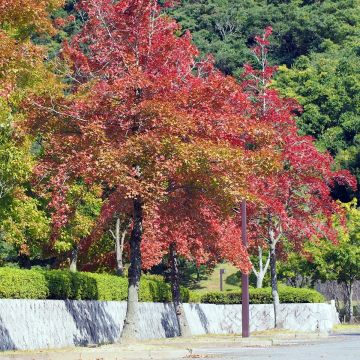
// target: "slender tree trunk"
[[175, 289], [130, 330], [119, 248], [274, 285], [350, 307], [259, 281], [197, 273], [74, 258], [260, 274]]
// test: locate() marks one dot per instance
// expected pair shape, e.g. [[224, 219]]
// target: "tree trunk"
[[175, 289], [197, 273], [274, 285], [260, 274], [130, 330], [350, 307], [259, 281], [73, 259], [119, 248]]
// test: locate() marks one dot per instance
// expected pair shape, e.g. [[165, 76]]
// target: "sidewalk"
[[172, 348]]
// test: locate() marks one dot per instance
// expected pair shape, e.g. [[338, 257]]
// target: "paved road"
[[343, 347], [339, 348]]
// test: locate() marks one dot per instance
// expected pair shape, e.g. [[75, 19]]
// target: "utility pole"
[[244, 279]]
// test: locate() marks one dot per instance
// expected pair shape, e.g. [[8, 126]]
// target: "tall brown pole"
[[244, 279]]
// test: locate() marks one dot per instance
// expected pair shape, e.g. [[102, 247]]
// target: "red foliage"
[[146, 119], [295, 200]]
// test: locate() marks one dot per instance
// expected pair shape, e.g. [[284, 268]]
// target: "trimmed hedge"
[[21, 284], [287, 295], [62, 284]]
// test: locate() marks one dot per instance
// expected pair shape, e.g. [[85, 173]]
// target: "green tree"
[[327, 85], [24, 226], [85, 206], [225, 28], [341, 261]]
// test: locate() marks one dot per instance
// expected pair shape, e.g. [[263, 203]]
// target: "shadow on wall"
[[93, 322], [170, 324], [203, 319], [6, 342]]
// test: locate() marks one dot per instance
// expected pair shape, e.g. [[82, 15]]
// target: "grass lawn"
[[231, 281], [341, 328]]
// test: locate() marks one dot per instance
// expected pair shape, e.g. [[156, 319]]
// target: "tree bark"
[[175, 289], [130, 329], [197, 273], [119, 248], [260, 274], [274, 284], [350, 307], [259, 281], [74, 258]]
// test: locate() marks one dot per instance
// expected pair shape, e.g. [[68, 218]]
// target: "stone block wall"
[[41, 324]]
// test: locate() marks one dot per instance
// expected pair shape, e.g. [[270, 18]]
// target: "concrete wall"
[[38, 324]]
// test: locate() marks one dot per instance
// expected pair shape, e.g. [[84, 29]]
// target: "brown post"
[[244, 279], [222, 272]]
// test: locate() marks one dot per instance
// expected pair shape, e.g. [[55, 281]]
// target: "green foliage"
[[296, 270], [327, 85], [195, 296], [86, 204], [67, 285], [341, 261], [22, 284], [22, 222], [263, 296], [225, 28], [24, 225], [63, 284]]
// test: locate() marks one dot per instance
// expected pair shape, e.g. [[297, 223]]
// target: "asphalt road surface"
[[339, 347], [346, 347]]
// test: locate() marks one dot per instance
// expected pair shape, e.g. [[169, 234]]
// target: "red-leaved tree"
[[170, 139], [295, 201]]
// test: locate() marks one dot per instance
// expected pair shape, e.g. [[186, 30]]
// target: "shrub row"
[[62, 284], [287, 294]]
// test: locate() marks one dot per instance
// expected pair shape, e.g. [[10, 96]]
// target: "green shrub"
[[63, 284], [184, 294], [151, 290], [110, 287], [214, 297], [194, 297], [263, 296], [22, 284], [290, 294]]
